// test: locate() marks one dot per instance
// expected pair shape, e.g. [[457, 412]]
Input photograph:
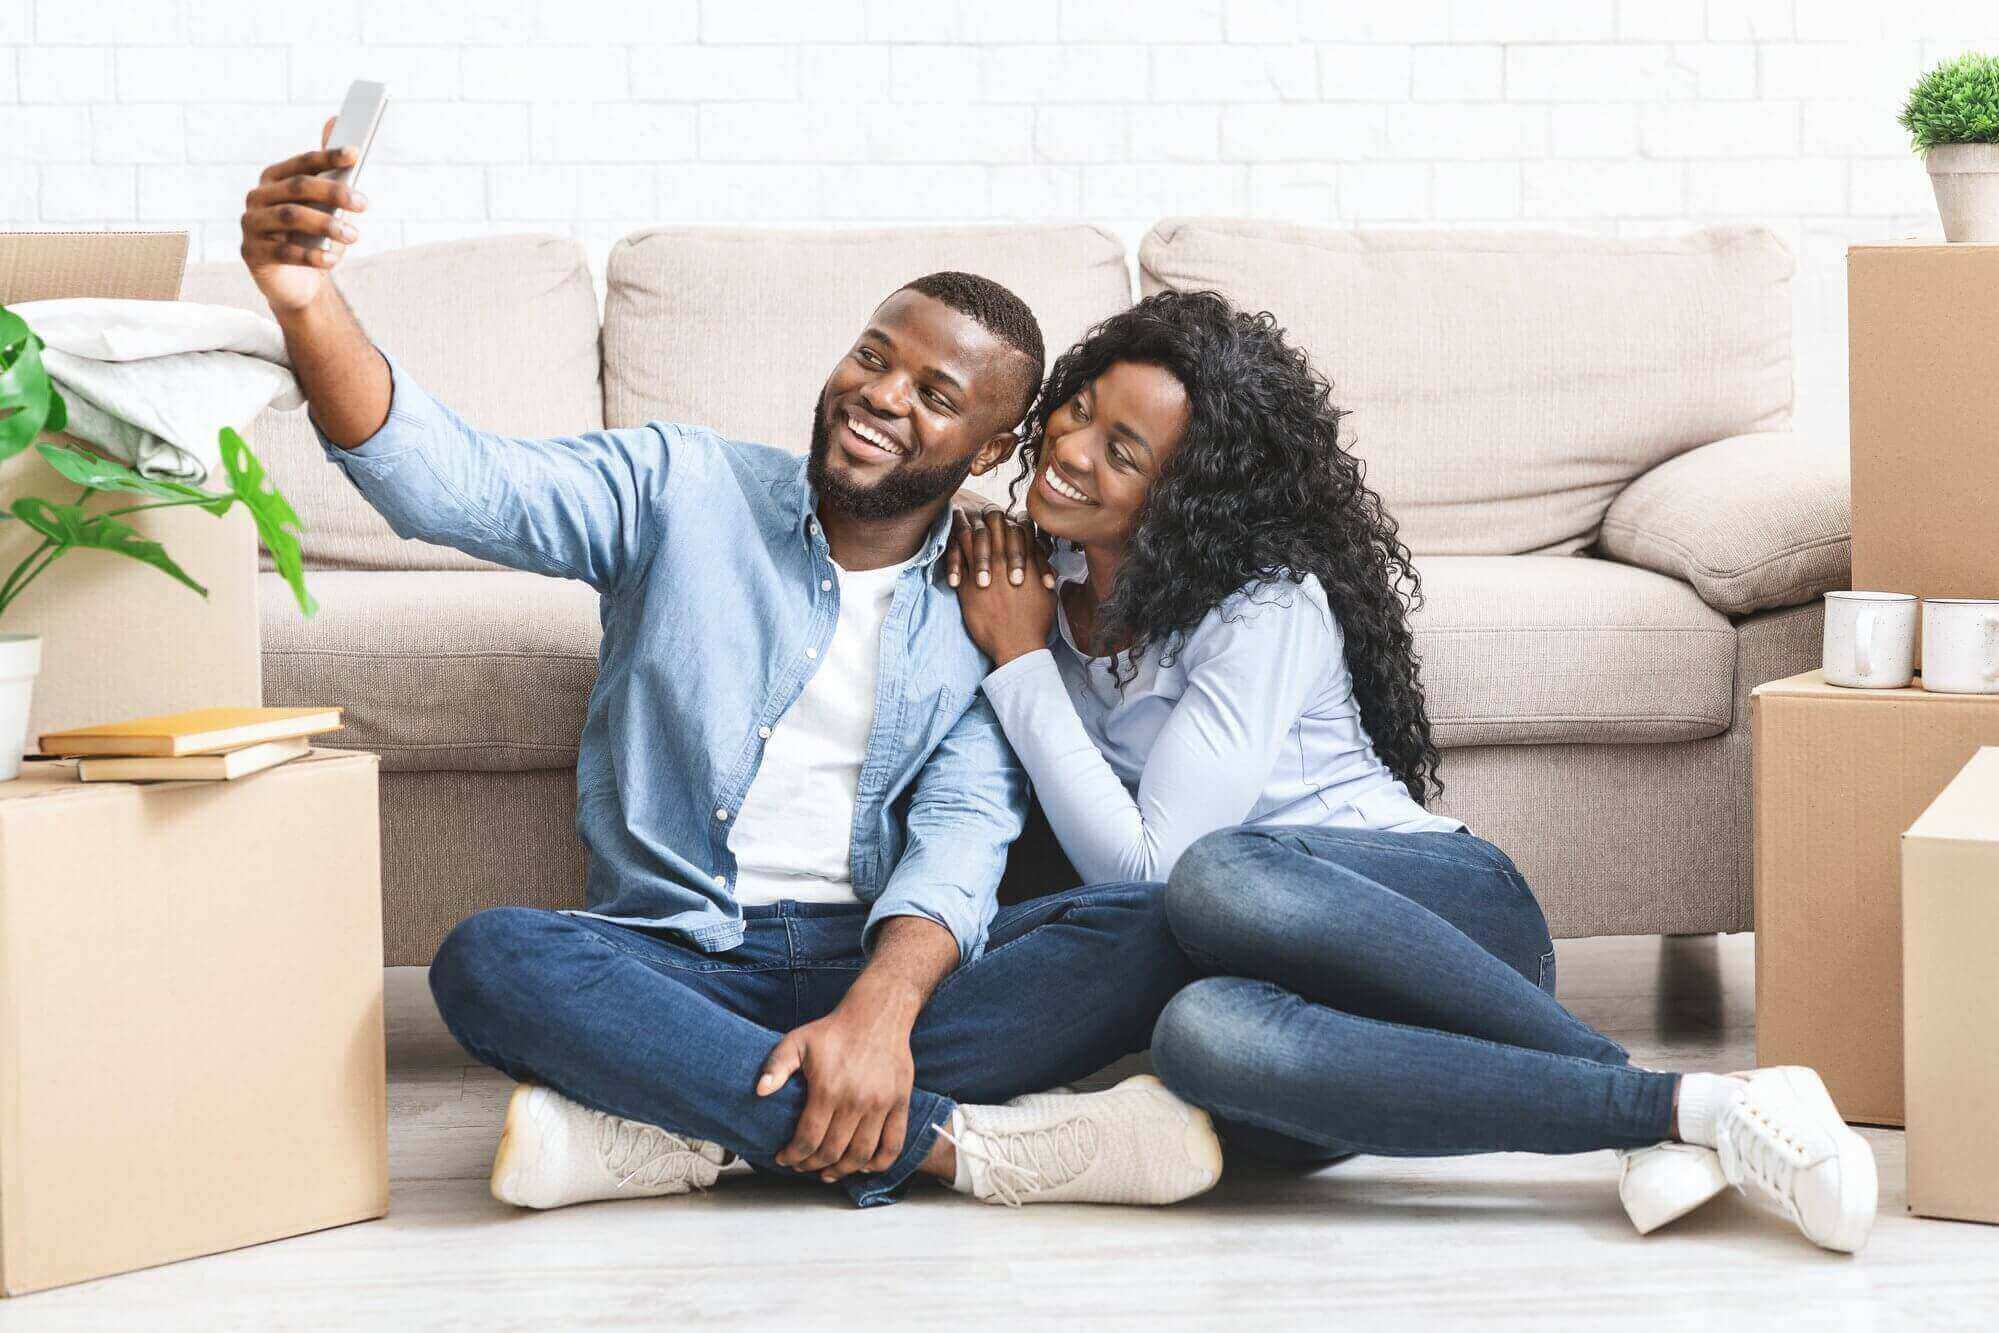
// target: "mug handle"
[[1863, 642]]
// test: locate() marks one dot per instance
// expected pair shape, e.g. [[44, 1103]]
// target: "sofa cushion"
[[502, 329], [737, 329], [1505, 386], [1752, 522], [470, 670], [1568, 649], [439, 669]]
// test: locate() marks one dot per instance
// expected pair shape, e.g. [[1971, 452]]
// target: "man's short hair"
[[998, 311]]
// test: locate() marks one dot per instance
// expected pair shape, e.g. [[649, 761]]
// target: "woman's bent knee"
[[1209, 884]]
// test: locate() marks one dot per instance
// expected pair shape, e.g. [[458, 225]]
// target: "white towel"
[[152, 383]]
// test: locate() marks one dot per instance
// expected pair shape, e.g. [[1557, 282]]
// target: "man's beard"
[[905, 488]]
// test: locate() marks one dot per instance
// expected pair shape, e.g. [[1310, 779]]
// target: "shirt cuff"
[[1015, 674], [400, 430]]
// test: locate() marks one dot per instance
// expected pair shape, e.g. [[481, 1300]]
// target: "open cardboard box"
[[120, 639]]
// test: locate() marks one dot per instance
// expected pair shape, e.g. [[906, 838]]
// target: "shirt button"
[[721, 881], [763, 733], [722, 815], [825, 585], [812, 652]]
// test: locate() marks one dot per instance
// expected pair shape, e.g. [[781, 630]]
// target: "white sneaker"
[[555, 1152], [1666, 1181], [1782, 1143], [1134, 1143]]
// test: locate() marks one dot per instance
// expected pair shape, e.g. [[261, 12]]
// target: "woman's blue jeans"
[[1387, 993]]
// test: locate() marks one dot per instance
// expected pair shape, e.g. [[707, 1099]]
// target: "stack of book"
[[215, 744]]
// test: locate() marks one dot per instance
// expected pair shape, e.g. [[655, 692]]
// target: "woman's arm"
[[1250, 673]]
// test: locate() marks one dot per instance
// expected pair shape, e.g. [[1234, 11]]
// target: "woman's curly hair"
[[1259, 489]]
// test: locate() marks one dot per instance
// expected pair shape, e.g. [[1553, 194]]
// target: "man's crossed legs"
[[632, 1022]]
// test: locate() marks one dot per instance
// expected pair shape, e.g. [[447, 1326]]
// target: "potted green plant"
[[1953, 115], [31, 405]]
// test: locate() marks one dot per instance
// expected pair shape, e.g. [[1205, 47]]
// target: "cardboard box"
[[119, 638], [1922, 340], [191, 1047], [1950, 996], [1839, 774]]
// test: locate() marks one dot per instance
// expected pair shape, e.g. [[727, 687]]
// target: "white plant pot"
[[1965, 177], [20, 662]]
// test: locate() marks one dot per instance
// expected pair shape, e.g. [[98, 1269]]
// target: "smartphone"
[[360, 116]]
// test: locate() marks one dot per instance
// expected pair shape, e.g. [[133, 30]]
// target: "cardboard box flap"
[[43, 265], [1968, 809], [123, 265]]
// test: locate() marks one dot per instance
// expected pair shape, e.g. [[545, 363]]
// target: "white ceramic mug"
[[1961, 645], [1870, 639]]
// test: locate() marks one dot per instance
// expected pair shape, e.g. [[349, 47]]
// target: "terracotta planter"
[[1965, 177]]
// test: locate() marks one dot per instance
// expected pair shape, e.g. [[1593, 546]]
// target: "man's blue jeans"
[[633, 1022], [1387, 993]]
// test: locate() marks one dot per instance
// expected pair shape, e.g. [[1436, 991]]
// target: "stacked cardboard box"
[[191, 1046], [1842, 774], [108, 623]]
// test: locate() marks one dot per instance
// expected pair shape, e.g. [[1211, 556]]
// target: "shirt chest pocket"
[[927, 720]]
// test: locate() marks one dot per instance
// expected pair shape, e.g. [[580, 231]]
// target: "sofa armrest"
[[1752, 521]]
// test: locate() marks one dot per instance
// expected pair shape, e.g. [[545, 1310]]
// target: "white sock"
[[961, 1180], [1702, 1097]]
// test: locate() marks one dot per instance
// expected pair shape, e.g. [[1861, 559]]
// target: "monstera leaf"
[[105, 474], [68, 526], [30, 402], [278, 524]]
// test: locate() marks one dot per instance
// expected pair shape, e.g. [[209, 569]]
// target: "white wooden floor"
[[1505, 1240]]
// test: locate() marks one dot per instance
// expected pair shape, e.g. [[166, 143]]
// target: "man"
[[796, 803]]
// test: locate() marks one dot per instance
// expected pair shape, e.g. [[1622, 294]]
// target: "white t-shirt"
[[793, 838]]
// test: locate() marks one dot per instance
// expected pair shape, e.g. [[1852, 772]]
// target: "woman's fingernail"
[[985, 579], [952, 579], [1016, 577]]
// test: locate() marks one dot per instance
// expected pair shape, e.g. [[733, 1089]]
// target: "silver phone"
[[360, 116]]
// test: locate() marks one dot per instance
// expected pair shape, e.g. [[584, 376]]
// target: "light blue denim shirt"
[[718, 595]]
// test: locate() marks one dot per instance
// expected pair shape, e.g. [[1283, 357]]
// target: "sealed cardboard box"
[[1839, 774], [1950, 996], [191, 1047], [119, 638], [1923, 338]]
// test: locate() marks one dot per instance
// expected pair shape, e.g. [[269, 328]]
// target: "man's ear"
[[996, 451]]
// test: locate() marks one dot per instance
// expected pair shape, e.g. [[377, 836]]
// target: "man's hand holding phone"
[[290, 203]]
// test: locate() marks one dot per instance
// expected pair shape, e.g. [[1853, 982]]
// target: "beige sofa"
[[1583, 439]]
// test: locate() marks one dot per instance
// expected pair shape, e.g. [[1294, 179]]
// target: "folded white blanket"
[[153, 382]]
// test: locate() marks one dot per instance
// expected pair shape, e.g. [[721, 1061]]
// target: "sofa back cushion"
[[737, 329], [502, 329], [1504, 386]]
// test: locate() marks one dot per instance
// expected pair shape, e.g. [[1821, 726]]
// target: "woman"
[[1210, 678]]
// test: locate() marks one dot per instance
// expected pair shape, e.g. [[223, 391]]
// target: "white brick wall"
[[595, 117]]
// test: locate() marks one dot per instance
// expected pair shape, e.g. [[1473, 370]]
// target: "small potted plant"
[[1953, 114], [30, 405]]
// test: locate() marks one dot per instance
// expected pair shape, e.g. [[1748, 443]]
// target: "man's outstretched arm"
[[584, 507], [856, 1061]]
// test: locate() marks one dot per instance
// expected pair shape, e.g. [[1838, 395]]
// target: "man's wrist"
[[891, 999]]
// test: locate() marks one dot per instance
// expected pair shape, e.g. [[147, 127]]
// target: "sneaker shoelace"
[[1028, 1161], [645, 1154], [1773, 1156]]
